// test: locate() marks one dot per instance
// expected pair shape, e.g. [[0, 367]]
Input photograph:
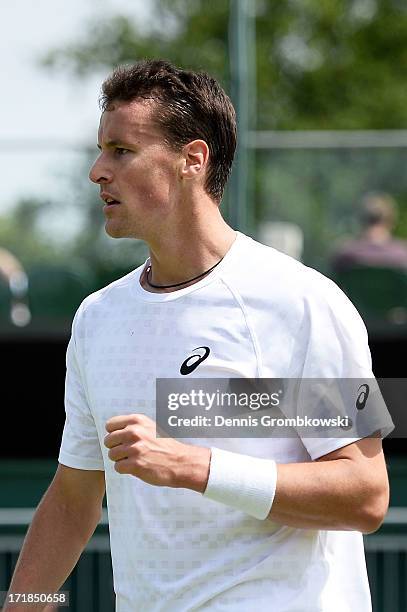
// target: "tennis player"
[[236, 525]]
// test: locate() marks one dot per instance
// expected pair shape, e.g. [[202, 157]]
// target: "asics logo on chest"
[[192, 362]]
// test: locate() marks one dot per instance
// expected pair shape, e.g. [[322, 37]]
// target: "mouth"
[[108, 199], [111, 202]]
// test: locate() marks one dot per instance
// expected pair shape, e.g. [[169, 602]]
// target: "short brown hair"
[[190, 105], [378, 209]]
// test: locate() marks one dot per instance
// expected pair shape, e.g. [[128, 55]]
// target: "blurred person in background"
[[11, 270], [375, 245], [248, 523], [15, 277]]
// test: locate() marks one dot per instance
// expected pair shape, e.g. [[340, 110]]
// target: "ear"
[[195, 159]]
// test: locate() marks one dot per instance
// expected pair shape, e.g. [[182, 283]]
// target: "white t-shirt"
[[262, 314]]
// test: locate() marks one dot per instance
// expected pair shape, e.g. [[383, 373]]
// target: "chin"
[[115, 231], [119, 232]]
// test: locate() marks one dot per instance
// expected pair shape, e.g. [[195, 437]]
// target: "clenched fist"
[[136, 450]]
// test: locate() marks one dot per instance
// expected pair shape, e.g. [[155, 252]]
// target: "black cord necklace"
[[148, 270]]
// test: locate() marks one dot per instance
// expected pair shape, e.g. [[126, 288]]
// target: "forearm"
[[338, 494], [52, 547]]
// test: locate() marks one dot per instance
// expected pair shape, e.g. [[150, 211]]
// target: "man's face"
[[135, 169]]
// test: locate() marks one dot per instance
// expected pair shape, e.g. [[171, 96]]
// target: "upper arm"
[[367, 449], [365, 470], [366, 461], [79, 488]]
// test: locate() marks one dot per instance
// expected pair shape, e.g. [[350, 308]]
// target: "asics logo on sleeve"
[[363, 394], [192, 362]]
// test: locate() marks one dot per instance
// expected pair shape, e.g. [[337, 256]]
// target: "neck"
[[187, 251]]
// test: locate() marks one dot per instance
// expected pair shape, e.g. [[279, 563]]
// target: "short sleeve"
[[336, 341], [335, 346], [80, 446]]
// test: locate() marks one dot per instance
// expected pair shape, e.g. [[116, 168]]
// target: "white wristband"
[[245, 483]]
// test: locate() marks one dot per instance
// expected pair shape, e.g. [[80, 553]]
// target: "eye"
[[120, 151]]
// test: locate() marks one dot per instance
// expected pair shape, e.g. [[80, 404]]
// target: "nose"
[[99, 172]]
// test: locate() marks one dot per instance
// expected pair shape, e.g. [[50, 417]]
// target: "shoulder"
[[283, 296], [264, 275], [399, 244], [112, 296]]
